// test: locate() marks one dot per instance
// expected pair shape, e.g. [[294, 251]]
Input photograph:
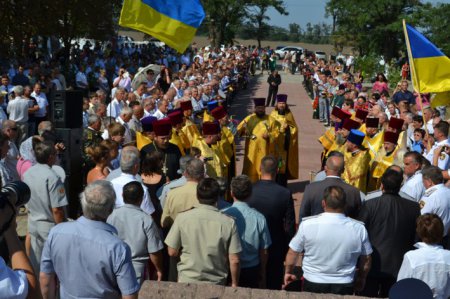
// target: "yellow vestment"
[[287, 152], [256, 146], [356, 169]]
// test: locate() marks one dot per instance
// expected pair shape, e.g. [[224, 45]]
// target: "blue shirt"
[[13, 284], [89, 260], [253, 232]]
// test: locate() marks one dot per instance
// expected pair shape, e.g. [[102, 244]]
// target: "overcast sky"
[[304, 11]]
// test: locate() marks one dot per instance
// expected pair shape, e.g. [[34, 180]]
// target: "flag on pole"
[[171, 21], [430, 68]]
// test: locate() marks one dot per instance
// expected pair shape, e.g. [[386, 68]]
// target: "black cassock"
[[171, 157]]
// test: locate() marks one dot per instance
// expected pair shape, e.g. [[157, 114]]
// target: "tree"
[[257, 11], [370, 26], [295, 32], [223, 18], [434, 22]]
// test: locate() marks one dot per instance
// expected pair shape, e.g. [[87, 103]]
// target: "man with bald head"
[[312, 198]]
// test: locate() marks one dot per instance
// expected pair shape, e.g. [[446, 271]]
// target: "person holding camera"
[[48, 199], [19, 281]]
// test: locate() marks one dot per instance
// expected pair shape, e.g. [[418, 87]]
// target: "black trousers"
[[378, 287], [273, 91], [249, 277], [329, 288]]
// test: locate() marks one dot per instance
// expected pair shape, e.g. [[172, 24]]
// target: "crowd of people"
[[387, 151], [153, 153], [162, 198]]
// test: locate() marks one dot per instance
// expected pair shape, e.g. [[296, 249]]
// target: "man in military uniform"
[[178, 138], [226, 142], [357, 160], [260, 131], [436, 199], [286, 146], [171, 153], [190, 128], [92, 137], [214, 252], [214, 158], [48, 200]]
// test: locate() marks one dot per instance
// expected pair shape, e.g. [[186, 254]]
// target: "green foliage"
[[59, 18], [369, 65], [434, 22], [371, 26], [394, 76]]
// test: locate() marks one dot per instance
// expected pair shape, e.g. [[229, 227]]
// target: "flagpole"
[[416, 86]]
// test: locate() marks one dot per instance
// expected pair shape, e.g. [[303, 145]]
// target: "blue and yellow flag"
[[430, 68], [171, 21]]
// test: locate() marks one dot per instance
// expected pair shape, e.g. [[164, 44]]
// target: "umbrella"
[[141, 75]]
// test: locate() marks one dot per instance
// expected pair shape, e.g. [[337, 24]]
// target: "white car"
[[320, 55], [281, 52]]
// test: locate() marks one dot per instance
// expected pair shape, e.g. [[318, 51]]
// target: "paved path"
[[309, 129]]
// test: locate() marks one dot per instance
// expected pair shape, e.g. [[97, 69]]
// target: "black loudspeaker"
[[71, 162], [66, 109]]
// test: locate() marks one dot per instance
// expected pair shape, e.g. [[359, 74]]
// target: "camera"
[[16, 193]]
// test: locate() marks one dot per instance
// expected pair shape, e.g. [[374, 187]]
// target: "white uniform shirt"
[[436, 200], [413, 187], [431, 264], [332, 244], [121, 181], [442, 163], [18, 110]]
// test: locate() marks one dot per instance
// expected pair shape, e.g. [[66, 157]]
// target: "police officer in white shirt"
[[436, 199], [332, 244], [413, 186], [441, 136]]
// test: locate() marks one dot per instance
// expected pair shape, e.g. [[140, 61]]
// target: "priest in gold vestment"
[[386, 157], [357, 160], [215, 161], [189, 129], [374, 137], [260, 131], [226, 143], [178, 137], [286, 146], [147, 135]]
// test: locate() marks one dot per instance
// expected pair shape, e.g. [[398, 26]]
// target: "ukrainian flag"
[[171, 21], [430, 68]]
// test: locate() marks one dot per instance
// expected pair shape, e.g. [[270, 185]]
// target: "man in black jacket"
[[313, 195], [274, 81], [276, 204], [390, 221]]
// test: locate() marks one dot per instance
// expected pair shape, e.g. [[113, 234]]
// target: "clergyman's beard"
[[281, 111], [260, 114]]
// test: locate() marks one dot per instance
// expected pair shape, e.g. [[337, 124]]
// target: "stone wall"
[[171, 290]]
